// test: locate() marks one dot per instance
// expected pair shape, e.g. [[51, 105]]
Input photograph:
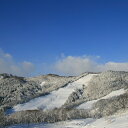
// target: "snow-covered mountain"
[[57, 98]]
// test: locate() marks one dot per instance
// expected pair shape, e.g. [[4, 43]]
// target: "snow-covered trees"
[[2, 117]]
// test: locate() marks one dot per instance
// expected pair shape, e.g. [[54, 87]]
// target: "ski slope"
[[89, 104], [56, 98]]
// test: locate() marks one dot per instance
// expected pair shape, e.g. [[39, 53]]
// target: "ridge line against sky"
[[36, 32]]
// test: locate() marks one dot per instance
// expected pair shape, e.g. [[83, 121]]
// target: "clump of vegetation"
[[106, 107], [49, 116], [2, 118]]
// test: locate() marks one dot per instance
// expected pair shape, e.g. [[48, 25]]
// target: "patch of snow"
[[42, 83], [56, 98], [84, 80], [115, 121], [89, 104], [1, 77], [114, 93]]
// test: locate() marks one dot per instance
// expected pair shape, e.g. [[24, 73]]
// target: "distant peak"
[[52, 75]]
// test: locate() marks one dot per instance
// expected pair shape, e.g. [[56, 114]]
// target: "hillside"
[[89, 97], [14, 89]]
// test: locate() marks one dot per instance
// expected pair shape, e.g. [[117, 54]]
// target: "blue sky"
[[45, 32]]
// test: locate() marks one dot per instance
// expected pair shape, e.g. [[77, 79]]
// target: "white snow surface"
[[89, 104], [114, 121], [56, 98], [42, 83], [1, 77]]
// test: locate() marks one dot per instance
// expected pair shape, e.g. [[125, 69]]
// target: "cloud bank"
[[69, 65], [72, 65], [8, 65]]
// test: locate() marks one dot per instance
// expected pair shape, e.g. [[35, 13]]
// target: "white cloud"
[[65, 65], [8, 65], [72, 65], [114, 66]]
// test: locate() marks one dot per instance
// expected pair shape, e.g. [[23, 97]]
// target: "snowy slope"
[[119, 120], [88, 105], [55, 98]]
